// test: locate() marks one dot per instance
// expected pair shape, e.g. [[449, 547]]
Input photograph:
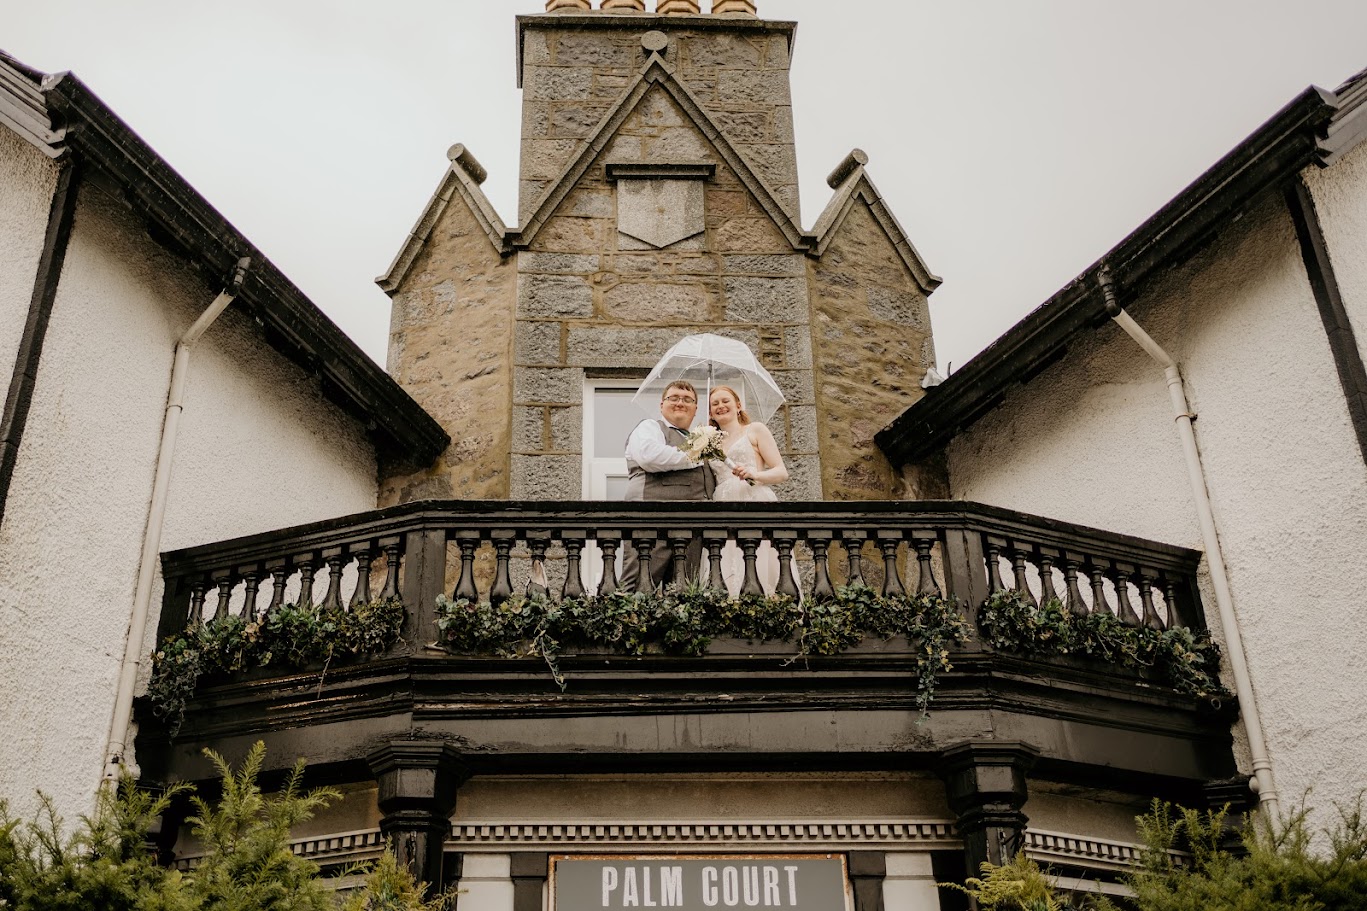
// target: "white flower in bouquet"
[[703, 444]]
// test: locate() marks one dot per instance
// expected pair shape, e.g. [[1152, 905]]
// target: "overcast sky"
[[1016, 140]]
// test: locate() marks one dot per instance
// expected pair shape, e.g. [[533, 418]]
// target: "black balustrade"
[[486, 550]]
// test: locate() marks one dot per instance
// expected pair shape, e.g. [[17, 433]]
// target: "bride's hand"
[[743, 472]]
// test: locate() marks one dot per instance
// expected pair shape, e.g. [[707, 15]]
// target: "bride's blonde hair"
[[740, 409]]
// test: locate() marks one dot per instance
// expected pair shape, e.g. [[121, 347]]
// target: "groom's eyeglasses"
[[681, 400]]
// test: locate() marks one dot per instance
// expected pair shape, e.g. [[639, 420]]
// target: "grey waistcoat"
[[688, 484]]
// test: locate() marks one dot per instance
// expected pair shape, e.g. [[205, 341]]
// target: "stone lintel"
[[646, 170]]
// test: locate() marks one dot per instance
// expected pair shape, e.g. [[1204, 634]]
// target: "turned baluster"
[[468, 542], [854, 551], [784, 542], [332, 556], [306, 570], [391, 547], [197, 590], [280, 574], [993, 551], [1175, 616], [644, 542], [1123, 609], [224, 581], [363, 555], [1071, 563], [1022, 580], [924, 542], [1047, 592], [820, 542], [888, 542], [251, 578], [678, 544], [1099, 603], [749, 540], [502, 589], [537, 545], [714, 539], [607, 542], [1144, 579], [573, 542]]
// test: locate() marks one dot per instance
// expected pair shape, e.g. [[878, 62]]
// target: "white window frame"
[[596, 468]]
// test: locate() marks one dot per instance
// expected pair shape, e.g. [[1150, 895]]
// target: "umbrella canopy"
[[707, 361]]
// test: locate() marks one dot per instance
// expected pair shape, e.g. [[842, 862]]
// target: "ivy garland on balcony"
[[1188, 662], [685, 620], [286, 636]]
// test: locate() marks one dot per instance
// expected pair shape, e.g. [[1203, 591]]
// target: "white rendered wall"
[[1091, 440], [1340, 194], [259, 449], [27, 179]]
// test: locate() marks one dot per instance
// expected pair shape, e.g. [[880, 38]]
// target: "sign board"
[[699, 882]]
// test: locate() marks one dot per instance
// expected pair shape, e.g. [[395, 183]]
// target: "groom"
[[658, 470]]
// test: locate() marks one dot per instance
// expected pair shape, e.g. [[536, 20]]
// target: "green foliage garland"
[[288, 636], [1188, 662], [684, 620]]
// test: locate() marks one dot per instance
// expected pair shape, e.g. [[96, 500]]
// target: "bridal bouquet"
[[703, 444]]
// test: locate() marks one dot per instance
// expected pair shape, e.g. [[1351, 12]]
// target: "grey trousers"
[[661, 565]]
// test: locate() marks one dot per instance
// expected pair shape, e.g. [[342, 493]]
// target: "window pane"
[[613, 418], [617, 487]]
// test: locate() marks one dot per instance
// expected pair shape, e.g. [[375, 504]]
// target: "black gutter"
[[1277, 151], [184, 221], [24, 380]]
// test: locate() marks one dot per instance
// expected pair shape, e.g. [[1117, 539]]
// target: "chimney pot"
[[636, 5], [733, 7], [677, 8], [556, 5]]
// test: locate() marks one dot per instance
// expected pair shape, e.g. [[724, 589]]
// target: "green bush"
[[107, 862]]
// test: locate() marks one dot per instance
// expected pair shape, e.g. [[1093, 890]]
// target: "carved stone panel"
[[660, 211]]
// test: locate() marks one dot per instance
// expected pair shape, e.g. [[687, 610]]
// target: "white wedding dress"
[[731, 489]]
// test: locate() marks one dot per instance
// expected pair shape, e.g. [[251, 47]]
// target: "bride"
[[753, 466]]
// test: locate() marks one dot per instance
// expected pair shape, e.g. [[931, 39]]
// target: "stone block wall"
[[575, 67], [590, 299], [450, 347], [871, 345]]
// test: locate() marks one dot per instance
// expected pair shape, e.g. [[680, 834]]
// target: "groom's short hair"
[[679, 384]]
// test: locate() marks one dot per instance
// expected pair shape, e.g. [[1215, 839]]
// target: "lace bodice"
[[732, 488]]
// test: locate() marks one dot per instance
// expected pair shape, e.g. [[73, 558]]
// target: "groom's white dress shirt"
[[648, 448]]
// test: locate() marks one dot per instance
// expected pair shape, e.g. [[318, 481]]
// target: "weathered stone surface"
[[777, 53], [553, 295], [752, 87], [678, 144], [558, 263], [545, 159], [727, 202], [628, 263], [562, 385], [770, 264], [749, 235], [766, 300], [546, 477], [595, 49], [783, 125], [710, 51], [536, 120], [537, 343], [567, 429], [660, 212], [696, 265], [694, 244], [904, 307], [573, 235], [608, 346], [536, 49], [589, 204], [611, 85], [803, 435], [529, 428], [788, 198], [646, 302], [775, 163], [804, 478], [797, 346], [745, 126], [796, 385], [552, 83], [576, 120]]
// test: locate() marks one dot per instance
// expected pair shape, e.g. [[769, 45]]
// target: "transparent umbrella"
[[706, 361]]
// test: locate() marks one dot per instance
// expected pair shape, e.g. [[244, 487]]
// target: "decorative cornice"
[[889, 833]]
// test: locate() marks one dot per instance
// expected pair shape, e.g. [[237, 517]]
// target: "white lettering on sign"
[[730, 886]]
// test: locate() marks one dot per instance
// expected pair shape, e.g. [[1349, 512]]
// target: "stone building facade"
[[658, 198]]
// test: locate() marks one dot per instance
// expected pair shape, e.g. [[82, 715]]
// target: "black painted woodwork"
[[867, 871], [529, 871], [985, 782], [418, 781]]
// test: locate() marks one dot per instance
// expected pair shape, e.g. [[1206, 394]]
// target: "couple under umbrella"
[[705, 381]]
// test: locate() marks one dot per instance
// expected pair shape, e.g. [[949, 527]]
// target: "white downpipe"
[[156, 517], [1263, 781]]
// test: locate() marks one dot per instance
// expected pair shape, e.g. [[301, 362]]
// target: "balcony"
[[742, 704]]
